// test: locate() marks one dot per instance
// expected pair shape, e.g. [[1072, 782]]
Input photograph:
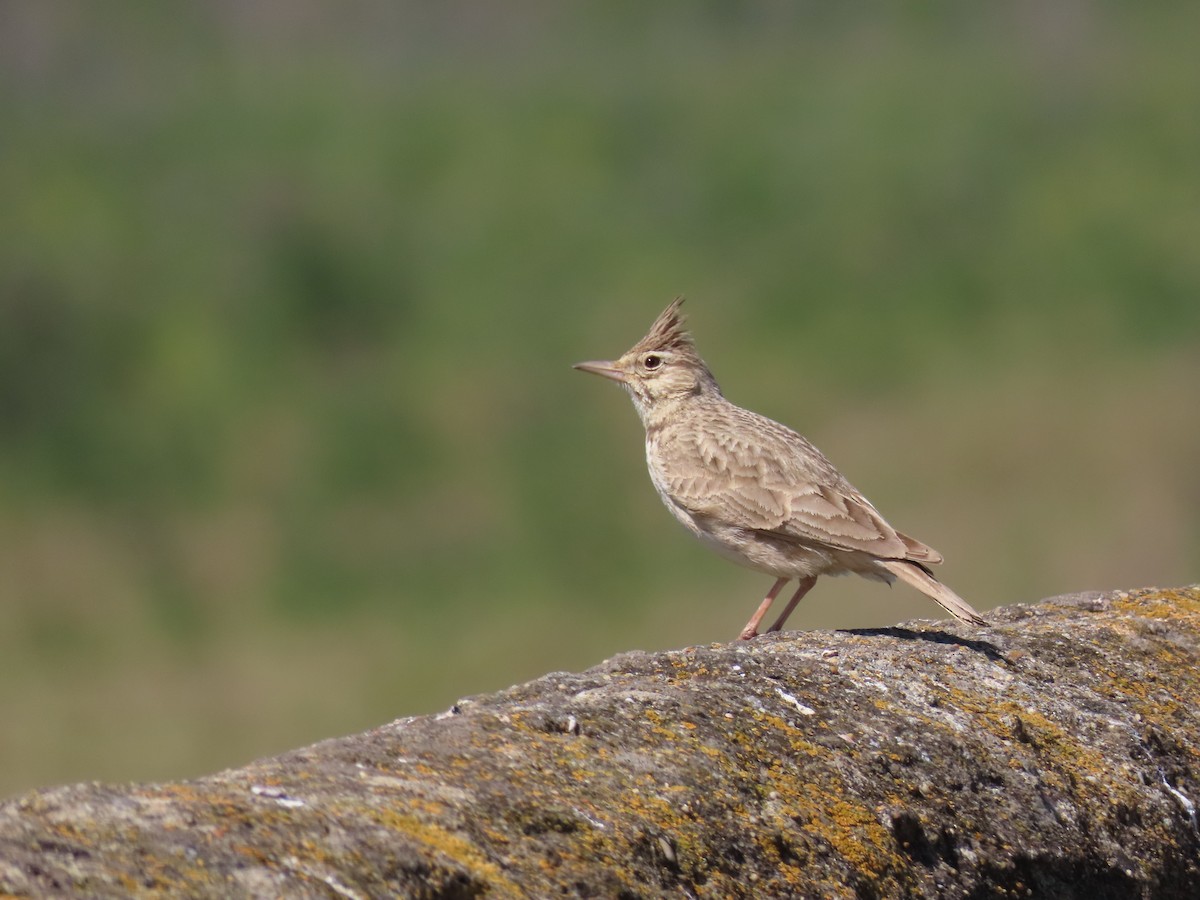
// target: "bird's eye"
[[652, 361]]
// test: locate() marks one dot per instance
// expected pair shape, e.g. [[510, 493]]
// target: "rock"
[[1055, 753]]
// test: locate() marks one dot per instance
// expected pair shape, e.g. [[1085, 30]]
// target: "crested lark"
[[753, 490]]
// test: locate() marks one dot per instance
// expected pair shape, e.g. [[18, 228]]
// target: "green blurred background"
[[289, 292]]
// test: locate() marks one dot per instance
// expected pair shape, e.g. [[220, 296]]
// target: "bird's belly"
[[734, 552], [756, 551]]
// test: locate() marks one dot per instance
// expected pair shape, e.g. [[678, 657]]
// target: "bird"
[[752, 489]]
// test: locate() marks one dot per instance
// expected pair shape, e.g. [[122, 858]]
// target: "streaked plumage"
[[754, 490]]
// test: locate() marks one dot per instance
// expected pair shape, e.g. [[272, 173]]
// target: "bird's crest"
[[668, 333]]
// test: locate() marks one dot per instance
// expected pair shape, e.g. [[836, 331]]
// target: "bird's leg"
[[802, 588], [751, 628]]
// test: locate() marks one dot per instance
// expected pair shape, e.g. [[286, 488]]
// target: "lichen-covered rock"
[[1053, 754]]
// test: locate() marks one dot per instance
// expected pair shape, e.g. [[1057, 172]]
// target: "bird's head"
[[660, 368]]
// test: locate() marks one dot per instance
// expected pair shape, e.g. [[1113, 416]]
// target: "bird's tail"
[[916, 575]]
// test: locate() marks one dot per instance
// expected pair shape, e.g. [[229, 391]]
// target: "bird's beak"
[[604, 368]]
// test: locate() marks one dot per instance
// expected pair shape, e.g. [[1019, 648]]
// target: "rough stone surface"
[[1053, 754]]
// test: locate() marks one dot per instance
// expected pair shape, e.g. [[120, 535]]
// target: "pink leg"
[[802, 588], [751, 628]]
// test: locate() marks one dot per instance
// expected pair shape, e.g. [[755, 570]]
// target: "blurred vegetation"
[[289, 291]]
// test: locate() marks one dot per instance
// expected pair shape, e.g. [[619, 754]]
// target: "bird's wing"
[[842, 518], [782, 486]]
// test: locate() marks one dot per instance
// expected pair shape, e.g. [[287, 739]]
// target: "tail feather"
[[919, 577]]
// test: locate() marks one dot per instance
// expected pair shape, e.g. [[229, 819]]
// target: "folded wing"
[[782, 486]]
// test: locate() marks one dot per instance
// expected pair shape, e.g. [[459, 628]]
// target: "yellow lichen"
[[446, 843]]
